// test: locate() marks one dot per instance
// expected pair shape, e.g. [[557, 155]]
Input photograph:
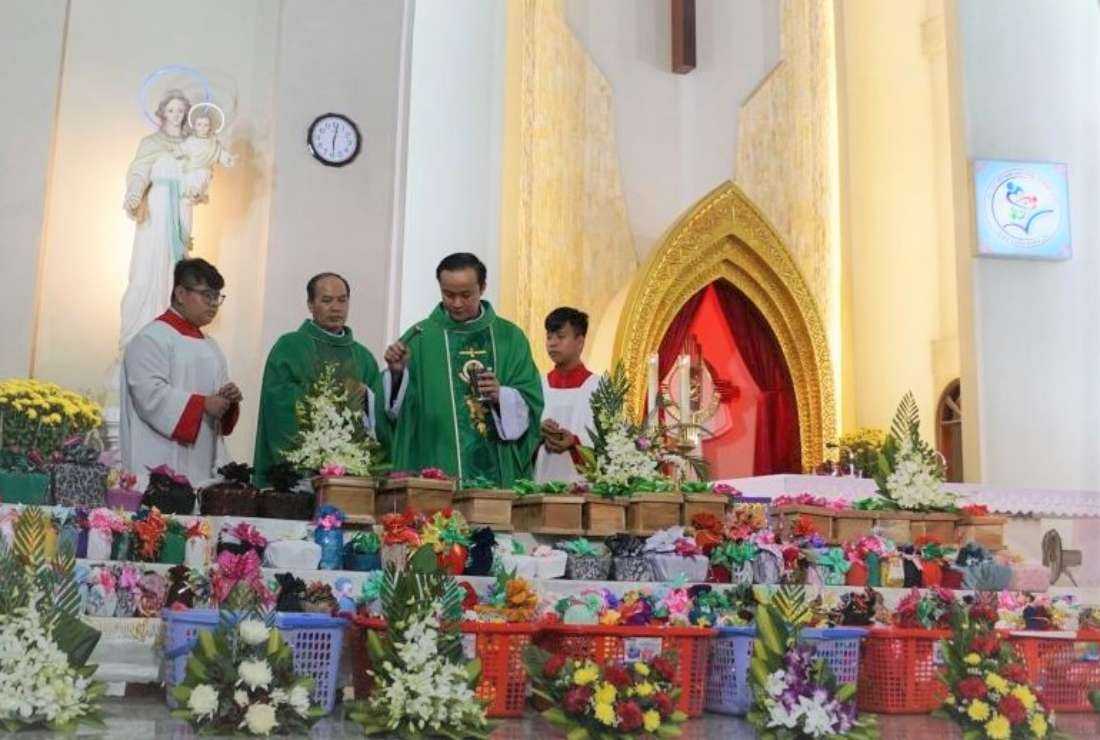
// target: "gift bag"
[[49, 542], [292, 555], [549, 563], [120, 547], [194, 552], [670, 566], [856, 575], [743, 574], [767, 567], [101, 602], [173, 548], [126, 603], [332, 547], [874, 570], [154, 593], [587, 567], [362, 561], [631, 568], [67, 537], [99, 544], [525, 566], [395, 555]]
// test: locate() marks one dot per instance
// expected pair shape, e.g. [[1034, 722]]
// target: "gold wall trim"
[[724, 236]]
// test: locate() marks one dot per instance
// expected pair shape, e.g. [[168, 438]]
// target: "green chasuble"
[[441, 423], [293, 365]]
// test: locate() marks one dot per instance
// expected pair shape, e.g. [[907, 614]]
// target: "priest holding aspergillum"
[[461, 386]]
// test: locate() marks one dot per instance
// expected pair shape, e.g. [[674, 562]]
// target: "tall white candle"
[[684, 363], [652, 386]]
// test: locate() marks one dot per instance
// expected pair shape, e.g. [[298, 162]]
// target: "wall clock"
[[334, 139]]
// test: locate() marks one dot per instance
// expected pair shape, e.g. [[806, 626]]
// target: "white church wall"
[[31, 38], [455, 128], [1030, 76], [677, 134]]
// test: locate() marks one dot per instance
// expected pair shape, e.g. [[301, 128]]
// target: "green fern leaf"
[[30, 540], [66, 592], [906, 422], [790, 604]]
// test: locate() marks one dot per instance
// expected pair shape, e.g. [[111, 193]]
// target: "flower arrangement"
[[590, 700], [807, 499], [795, 694], [859, 449], [39, 416], [45, 680], [401, 529], [510, 598], [422, 686], [240, 678], [149, 526], [621, 452], [426, 473], [330, 429], [910, 473], [989, 695]]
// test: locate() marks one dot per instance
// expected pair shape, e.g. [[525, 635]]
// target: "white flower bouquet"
[[910, 474], [331, 432], [423, 687], [240, 679]]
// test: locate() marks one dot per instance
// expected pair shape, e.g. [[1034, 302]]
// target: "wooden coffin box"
[[353, 495], [486, 507], [650, 512], [548, 514], [418, 494]]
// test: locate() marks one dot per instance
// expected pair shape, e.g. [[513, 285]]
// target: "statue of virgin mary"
[[161, 237]]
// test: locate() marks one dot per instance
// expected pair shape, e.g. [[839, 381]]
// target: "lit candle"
[[684, 364], [652, 388]]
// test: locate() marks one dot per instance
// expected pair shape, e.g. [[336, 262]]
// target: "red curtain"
[[778, 447], [676, 334]]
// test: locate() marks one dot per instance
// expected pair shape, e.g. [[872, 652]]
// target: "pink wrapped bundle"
[[1030, 576]]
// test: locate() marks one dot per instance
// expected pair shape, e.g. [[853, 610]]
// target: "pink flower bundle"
[[232, 570], [247, 534], [806, 499], [107, 521]]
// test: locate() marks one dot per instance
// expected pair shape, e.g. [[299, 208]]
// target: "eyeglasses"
[[212, 297]]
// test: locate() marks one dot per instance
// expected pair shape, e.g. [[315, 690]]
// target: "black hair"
[[311, 286], [559, 317], [190, 273], [462, 261]]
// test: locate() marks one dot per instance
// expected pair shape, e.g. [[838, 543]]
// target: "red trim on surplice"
[[180, 324], [187, 428], [567, 379]]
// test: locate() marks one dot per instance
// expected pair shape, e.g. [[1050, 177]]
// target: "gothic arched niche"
[[725, 237]]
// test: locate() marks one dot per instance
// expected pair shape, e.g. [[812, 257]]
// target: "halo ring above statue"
[[210, 106], [188, 80]]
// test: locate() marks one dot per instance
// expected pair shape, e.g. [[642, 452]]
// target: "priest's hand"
[[397, 357], [488, 386], [216, 405], [230, 392]]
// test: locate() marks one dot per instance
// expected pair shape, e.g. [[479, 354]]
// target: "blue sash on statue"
[[176, 236]]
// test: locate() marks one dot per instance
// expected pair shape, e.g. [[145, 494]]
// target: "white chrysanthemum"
[[256, 674], [240, 698], [623, 460], [299, 700], [278, 697], [260, 719], [253, 631], [329, 438], [914, 484], [203, 701]]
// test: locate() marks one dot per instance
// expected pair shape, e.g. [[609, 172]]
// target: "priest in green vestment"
[[461, 386], [297, 359]]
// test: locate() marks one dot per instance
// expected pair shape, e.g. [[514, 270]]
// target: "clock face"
[[334, 139]]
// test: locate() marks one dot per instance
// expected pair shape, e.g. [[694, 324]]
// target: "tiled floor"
[[138, 718]]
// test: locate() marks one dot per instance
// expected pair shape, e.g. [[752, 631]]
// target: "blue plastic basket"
[[316, 639], [728, 690]]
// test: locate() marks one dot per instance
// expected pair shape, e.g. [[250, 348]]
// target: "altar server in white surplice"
[[567, 391], [178, 403]]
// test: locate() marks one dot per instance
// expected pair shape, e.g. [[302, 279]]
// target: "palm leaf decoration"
[[791, 605]]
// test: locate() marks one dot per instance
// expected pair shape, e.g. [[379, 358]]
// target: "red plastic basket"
[[900, 671], [1064, 669], [499, 647], [612, 644]]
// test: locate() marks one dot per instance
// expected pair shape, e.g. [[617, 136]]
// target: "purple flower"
[[643, 443]]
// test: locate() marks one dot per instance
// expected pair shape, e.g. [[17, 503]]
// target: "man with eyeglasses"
[[178, 403]]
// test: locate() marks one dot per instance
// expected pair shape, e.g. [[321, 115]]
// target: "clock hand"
[[334, 140]]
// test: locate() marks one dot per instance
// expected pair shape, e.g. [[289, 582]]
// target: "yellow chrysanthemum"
[[978, 711], [995, 682], [644, 689], [606, 693], [652, 720], [32, 414], [1023, 693], [973, 659], [641, 669], [998, 728], [605, 713], [1038, 725], [586, 675]]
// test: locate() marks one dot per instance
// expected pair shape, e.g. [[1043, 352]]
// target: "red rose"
[[665, 667], [617, 676], [553, 665], [1013, 709], [985, 644], [971, 688], [664, 704], [630, 716], [576, 699], [1015, 672]]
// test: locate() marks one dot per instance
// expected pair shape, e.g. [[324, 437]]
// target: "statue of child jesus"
[[202, 151]]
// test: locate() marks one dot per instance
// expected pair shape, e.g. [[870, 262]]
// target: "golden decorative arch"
[[724, 236]]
